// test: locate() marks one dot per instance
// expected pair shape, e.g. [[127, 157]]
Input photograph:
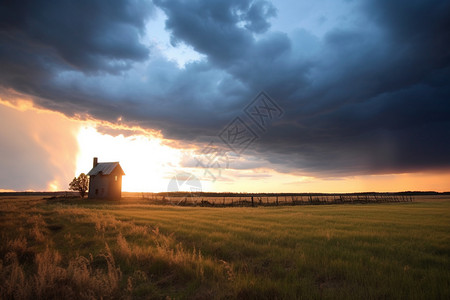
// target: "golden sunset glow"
[[46, 152], [147, 163]]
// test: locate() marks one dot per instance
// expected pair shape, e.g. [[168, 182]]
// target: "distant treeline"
[[212, 194]]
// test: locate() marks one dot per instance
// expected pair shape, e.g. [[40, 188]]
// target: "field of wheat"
[[83, 249]]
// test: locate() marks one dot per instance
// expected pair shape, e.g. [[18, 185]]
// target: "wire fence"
[[272, 200]]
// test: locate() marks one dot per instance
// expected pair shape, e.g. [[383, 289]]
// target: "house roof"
[[105, 168]]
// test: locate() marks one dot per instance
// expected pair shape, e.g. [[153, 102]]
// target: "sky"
[[326, 96]]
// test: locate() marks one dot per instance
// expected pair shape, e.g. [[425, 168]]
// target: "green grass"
[[395, 251]]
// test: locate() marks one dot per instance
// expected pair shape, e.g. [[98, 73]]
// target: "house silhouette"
[[105, 180]]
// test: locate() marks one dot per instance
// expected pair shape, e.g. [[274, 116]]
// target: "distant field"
[[56, 248]]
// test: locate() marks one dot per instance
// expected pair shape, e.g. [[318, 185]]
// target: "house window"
[[115, 178]]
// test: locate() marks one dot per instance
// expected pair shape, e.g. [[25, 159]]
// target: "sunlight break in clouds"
[[147, 163], [156, 36]]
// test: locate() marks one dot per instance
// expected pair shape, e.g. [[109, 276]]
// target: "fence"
[[274, 200]]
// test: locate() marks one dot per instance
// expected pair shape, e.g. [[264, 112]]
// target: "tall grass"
[[33, 270], [82, 250], [59, 255]]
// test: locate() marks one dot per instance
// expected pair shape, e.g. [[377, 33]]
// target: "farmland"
[[71, 248]]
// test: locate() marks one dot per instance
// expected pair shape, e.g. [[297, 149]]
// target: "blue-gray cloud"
[[84, 35], [369, 97]]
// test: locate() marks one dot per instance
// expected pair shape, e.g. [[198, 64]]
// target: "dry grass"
[[32, 268], [96, 250], [52, 280]]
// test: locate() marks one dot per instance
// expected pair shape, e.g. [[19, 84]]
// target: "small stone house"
[[105, 180]]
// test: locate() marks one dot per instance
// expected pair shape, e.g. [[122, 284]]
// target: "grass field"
[[129, 249]]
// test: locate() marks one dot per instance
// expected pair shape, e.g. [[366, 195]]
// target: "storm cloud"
[[369, 96]]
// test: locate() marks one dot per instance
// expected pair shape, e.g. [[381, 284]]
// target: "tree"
[[79, 184]]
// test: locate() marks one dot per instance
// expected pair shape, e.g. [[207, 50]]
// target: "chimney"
[[95, 161]]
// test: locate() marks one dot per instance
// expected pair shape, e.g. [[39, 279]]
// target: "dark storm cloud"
[[84, 35], [372, 98], [369, 97]]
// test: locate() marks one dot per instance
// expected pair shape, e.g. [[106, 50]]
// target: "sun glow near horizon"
[[147, 163]]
